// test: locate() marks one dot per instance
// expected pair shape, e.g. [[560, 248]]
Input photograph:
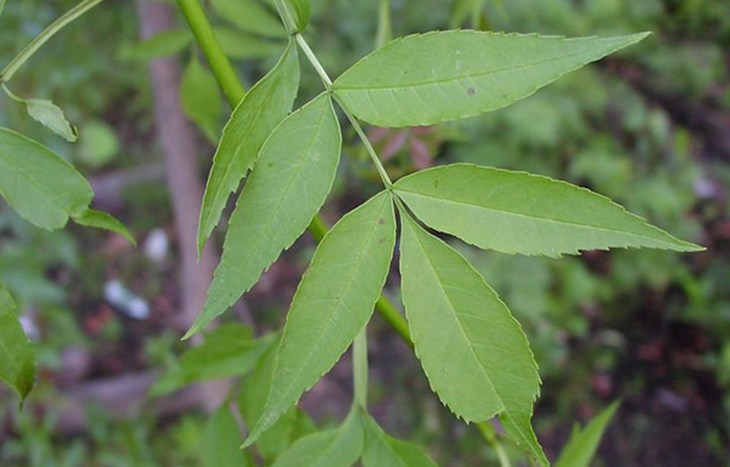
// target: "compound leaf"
[[17, 363], [200, 98], [289, 183], [264, 106], [103, 220], [334, 300], [341, 446], [38, 183], [473, 351], [517, 212], [429, 78], [582, 445], [382, 450], [52, 117]]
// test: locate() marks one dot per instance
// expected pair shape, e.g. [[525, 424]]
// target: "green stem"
[[490, 436], [12, 95], [220, 65], [385, 30], [360, 368], [355, 124], [9, 71]]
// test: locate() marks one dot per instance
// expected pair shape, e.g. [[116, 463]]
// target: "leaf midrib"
[[338, 298], [506, 212], [465, 76], [456, 318]]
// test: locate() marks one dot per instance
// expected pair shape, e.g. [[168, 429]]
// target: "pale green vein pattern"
[[38, 183], [382, 450], [334, 300], [338, 447], [517, 212], [17, 364], [289, 183], [473, 351], [583, 443], [265, 106], [438, 76]]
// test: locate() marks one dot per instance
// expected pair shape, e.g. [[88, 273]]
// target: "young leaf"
[[52, 117], [382, 450], [250, 16], [473, 351], [291, 179], [341, 446], [243, 46], [264, 106], [200, 98], [582, 445], [334, 300], [517, 212], [17, 363], [38, 183], [227, 351], [429, 78], [103, 220], [162, 44], [220, 441]]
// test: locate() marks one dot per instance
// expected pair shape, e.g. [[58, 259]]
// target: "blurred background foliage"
[[649, 127]]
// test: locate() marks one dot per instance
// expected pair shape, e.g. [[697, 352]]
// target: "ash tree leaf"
[[339, 447], [333, 302], [17, 361], [290, 181], [36, 182], [582, 445], [518, 212], [52, 117], [228, 351], [243, 46], [220, 441], [200, 98], [162, 44], [438, 76], [382, 450], [103, 220], [249, 16], [264, 106], [473, 351]]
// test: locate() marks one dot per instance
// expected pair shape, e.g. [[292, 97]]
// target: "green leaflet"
[[338, 447], [51, 116], [517, 212], [243, 46], [17, 361], [263, 107], [162, 44], [2, 6], [102, 220], [250, 16], [582, 445], [473, 351], [334, 300], [38, 183], [229, 350], [200, 98], [220, 441], [289, 183], [382, 450], [291, 426], [438, 76]]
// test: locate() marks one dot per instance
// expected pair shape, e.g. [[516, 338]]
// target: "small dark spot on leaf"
[[471, 91], [270, 164], [381, 241], [436, 184], [381, 221]]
